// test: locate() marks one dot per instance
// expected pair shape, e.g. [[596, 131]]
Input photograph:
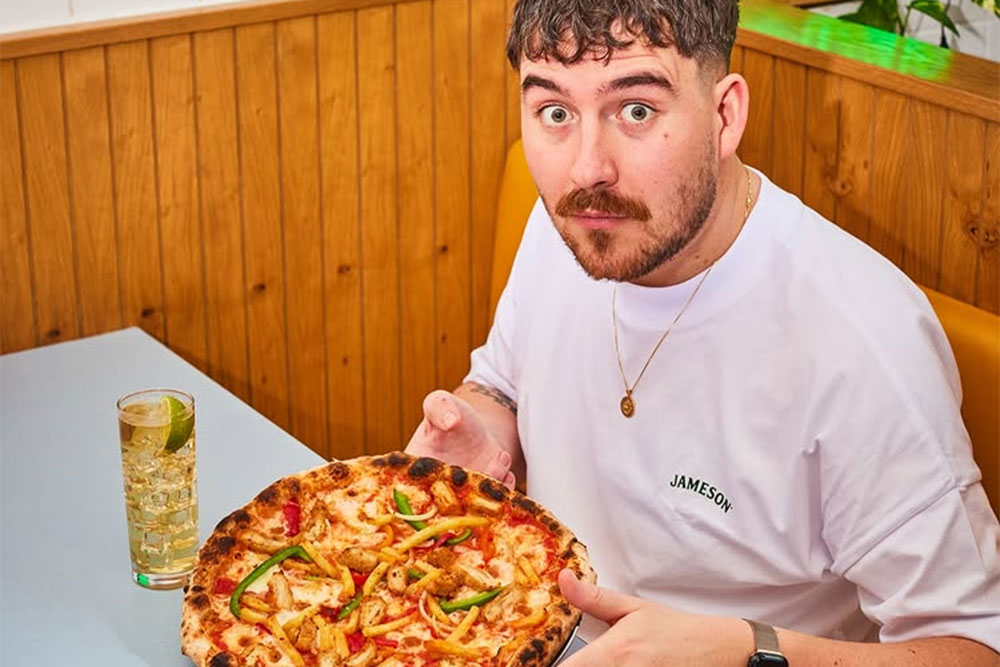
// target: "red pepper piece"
[[355, 642], [293, 516], [382, 641], [217, 640], [224, 586], [442, 539], [329, 613], [359, 578]]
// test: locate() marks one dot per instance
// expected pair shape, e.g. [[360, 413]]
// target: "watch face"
[[762, 659]]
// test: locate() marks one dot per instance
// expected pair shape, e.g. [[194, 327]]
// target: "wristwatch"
[[767, 653]]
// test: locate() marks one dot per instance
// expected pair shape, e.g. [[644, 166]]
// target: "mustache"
[[601, 200]]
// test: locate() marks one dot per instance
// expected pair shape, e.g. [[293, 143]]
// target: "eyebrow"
[[624, 83], [532, 81], [637, 80]]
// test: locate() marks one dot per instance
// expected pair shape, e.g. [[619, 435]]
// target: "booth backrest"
[[974, 333]]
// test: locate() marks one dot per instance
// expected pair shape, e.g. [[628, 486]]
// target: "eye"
[[554, 115], [636, 112]]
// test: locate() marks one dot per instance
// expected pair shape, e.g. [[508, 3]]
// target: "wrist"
[[766, 650]]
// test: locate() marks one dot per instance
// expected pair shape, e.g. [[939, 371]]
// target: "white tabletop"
[[66, 595]]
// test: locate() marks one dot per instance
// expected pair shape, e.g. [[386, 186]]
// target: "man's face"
[[624, 155]]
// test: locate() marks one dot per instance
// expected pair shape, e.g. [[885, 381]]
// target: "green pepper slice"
[[449, 606], [458, 539], [349, 607], [403, 504], [287, 552], [414, 573]]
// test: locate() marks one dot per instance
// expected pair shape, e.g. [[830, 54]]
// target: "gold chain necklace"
[[627, 403]]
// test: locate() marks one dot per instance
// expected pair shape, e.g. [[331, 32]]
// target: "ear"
[[732, 103]]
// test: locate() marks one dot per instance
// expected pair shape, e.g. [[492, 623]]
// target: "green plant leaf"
[[882, 14], [990, 6], [936, 11]]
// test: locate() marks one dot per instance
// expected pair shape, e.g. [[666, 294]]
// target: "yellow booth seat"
[[974, 333]]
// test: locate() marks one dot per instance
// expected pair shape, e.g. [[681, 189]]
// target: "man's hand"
[[453, 431], [650, 635]]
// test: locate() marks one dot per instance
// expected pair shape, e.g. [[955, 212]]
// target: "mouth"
[[597, 219]]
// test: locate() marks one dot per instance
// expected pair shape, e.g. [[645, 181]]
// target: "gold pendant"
[[627, 405]]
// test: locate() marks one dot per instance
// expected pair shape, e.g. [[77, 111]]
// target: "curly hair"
[[568, 30]]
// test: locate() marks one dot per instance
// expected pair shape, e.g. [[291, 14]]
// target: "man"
[[741, 410]]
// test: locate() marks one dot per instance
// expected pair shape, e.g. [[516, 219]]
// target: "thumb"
[[601, 603], [442, 410]]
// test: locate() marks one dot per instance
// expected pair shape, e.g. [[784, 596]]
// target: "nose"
[[594, 164]]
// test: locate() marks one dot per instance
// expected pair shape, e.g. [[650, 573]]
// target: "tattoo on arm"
[[495, 394]]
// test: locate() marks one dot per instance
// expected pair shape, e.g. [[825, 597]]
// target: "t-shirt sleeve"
[[904, 514], [937, 574]]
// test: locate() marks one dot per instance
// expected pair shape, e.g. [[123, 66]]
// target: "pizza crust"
[[335, 500]]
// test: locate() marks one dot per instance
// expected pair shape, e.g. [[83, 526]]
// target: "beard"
[[606, 254]]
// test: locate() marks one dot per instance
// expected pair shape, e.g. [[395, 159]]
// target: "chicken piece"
[[397, 578], [262, 543], [442, 558], [330, 659], [503, 605], [279, 592], [359, 560], [306, 640], [473, 578], [372, 611], [364, 657], [444, 585], [445, 498]]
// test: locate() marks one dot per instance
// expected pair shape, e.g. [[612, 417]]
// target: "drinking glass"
[[156, 429]]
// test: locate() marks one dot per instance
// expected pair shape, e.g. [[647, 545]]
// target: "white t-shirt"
[[797, 453]]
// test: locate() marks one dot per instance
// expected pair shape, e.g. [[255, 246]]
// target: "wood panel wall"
[[301, 207], [298, 196]]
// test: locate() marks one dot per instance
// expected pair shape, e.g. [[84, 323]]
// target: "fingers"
[[442, 410], [509, 480], [602, 603], [498, 465]]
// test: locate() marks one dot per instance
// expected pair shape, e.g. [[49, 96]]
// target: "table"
[[66, 594]]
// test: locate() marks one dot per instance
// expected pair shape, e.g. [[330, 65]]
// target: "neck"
[[720, 230]]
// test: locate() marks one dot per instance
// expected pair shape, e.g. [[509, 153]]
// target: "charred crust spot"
[[492, 489], [200, 601], [379, 463], [565, 609], [292, 486], [527, 504], [268, 495], [530, 653], [459, 477], [423, 467], [197, 589], [218, 546], [352, 492], [397, 459], [240, 518], [338, 470], [552, 525], [222, 660]]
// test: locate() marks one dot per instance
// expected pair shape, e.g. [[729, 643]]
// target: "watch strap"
[[764, 636]]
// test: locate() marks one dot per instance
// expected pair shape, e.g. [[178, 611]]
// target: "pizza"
[[385, 560]]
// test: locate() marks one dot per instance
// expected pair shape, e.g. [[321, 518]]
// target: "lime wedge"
[[181, 423]]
